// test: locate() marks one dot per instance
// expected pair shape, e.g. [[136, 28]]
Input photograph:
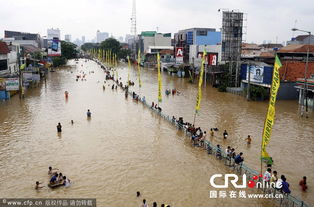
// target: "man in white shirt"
[[267, 175]]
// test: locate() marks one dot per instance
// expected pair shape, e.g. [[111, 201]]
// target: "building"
[[101, 36], [4, 51], [195, 36], [292, 72], [120, 39], [150, 43], [83, 40], [23, 38], [301, 40], [153, 42], [67, 38], [128, 38], [53, 33]]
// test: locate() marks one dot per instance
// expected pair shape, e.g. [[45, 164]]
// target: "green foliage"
[[258, 92], [37, 55], [124, 53], [111, 44], [224, 79], [68, 50], [59, 61], [88, 46]]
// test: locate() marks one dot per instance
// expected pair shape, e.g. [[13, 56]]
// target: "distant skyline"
[[266, 20]]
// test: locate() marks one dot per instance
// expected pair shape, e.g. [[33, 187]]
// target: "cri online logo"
[[234, 179]]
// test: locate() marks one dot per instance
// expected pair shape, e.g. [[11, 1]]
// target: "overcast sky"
[[266, 19]]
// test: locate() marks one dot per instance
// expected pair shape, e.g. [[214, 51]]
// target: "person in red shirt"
[[303, 184]]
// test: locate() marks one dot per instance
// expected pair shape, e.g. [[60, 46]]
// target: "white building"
[[53, 33], [67, 38], [101, 36], [151, 41], [83, 39]]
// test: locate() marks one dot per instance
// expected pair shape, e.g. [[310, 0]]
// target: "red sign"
[[210, 59], [179, 52], [213, 59]]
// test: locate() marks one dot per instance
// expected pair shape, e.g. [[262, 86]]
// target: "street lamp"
[[305, 72]]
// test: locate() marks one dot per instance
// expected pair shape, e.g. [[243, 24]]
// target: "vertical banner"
[[129, 68], [139, 67], [159, 79], [270, 117], [200, 82], [179, 55]]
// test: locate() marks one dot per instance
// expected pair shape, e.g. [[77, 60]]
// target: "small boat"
[[55, 185]]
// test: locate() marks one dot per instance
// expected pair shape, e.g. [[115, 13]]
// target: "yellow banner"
[[129, 68], [139, 67], [200, 82], [270, 118], [159, 79]]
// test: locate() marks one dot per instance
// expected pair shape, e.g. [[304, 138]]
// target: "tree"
[[59, 61], [88, 46], [111, 44], [124, 53], [68, 50]]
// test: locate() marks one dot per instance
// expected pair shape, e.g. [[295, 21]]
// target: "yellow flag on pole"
[[159, 79], [200, 82], [270, 117], [139, 67], [129, 68]]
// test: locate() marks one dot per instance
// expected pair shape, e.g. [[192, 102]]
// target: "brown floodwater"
[[125, 147]]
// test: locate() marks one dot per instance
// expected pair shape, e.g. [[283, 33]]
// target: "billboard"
[[54, 47], [210, 59], [256, 73], [179, 55], [12, 84]]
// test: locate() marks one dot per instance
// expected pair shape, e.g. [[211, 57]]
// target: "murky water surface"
[[125, 147]]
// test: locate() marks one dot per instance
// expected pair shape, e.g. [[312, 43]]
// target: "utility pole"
[[305, 86], [248, 85]]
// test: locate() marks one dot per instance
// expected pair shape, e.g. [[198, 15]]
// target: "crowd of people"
[[154, 204], [55, 179]]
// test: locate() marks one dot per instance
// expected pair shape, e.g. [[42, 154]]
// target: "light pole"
[[304, 92]]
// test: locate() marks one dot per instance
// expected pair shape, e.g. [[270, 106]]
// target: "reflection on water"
[[126, 148]]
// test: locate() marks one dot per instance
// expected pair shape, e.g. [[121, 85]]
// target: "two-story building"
[[193, 41]]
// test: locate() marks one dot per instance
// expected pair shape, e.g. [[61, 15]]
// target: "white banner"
[[256, 73], [12, 84]]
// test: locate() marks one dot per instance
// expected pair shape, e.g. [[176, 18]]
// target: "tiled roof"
[[4, 49], [296, 49], [31, 48], [291, 70]]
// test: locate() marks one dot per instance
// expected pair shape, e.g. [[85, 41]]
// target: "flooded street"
[[125, 147]]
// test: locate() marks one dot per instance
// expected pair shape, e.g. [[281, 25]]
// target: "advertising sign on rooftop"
[[54, 47]]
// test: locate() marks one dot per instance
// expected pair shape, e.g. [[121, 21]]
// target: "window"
[[3, 65], [201, 33]]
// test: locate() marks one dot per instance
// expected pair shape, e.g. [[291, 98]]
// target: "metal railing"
[[286, 200]]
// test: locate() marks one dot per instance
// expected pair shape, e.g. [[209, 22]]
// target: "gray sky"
[[266, 19]]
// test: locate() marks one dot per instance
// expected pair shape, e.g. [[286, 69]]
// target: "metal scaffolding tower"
[[133, 29], [232, 37]]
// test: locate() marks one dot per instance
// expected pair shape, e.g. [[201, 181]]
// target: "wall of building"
[[161, 40], [4, 68], [212, 38]]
